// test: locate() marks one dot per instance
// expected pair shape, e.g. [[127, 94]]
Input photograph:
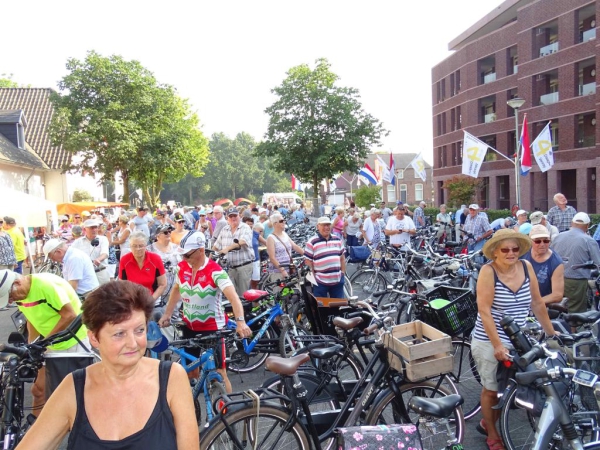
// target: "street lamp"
[[516, 103]]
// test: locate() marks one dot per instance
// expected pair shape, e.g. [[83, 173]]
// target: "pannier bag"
[[379, 437]]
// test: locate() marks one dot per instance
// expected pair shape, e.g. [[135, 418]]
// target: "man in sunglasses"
[[547, 265], [538, 218], [576, 247], [200, 283]]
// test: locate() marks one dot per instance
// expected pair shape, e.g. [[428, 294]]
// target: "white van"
[[278, 198]]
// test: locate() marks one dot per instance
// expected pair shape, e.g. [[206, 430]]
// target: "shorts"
[[487, 364], [219, 349], [255, 271], [576, 292]]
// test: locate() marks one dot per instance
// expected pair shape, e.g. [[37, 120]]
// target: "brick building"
[[544, 52]]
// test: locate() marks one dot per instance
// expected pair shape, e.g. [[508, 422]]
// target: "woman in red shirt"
[[143, 267]]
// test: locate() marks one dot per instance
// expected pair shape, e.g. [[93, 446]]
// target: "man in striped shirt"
[[324, 254]]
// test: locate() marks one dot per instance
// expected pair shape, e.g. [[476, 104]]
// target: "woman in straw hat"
[[506, 286]]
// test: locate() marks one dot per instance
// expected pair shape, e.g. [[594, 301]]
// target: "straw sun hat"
[[502, 235]]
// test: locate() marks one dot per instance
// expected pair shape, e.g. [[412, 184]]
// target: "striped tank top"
[[506, 303]]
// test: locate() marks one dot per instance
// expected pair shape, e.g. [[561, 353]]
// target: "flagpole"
[[516, 103]]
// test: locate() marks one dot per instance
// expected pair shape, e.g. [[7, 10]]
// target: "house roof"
[[11, 154], [12, 116], [35, 103]]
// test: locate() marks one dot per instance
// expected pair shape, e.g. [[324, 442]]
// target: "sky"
[[226, 56]]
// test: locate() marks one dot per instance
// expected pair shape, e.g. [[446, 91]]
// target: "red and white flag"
[[525, 149]]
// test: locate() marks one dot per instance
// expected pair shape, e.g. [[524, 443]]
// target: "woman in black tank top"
[[126, 401]]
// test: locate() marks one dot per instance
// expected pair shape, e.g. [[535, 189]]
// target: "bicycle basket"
[[587, 357], [455, 317], [359, 254]]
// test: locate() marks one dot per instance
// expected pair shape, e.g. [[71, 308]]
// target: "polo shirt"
[[77, 266], [325, 255], [146, 275], [18, 242]]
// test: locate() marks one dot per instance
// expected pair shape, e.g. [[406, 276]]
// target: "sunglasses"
[[77, 217], [281, 221], [187, 255], [166, 233], [181, 221], [513, 249], [539, 241], [63, 221]]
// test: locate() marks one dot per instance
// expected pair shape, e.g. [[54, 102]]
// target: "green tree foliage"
[[115, 116], [81, 195], [461, 190], [365, 195], [316, 128], [6, 81]]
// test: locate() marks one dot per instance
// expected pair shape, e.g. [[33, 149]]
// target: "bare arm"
[[174, 297], [181, 405], [537, 304], [485, 299], [118, 241], [74, 284], [238, 310], [162, 285], [558, 286]]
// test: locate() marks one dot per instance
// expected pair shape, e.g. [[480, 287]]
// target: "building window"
[[587, 77], [458, 118], [443, 123], [457, 80], [487, 69], [418, 192], [546, 87], [487, 109], [459, 156], [391, 193], [513, 60], [546, 39], [20, 136], [403, 191], [586, 130], [400, 173], [587, 23]]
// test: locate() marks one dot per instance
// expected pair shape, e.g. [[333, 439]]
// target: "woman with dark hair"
[[95, 404]]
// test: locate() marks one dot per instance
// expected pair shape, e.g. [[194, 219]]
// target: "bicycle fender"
[[501, 398], [311, 383]]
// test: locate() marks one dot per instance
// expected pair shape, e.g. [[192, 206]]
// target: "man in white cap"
[[576, 247], [324, 254], [50, 304], [199, 282], [77, 267], [477, 225], [95, 247], [538, 218]]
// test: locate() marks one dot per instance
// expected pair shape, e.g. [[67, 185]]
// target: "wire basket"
[[587, 357], [454, 318]]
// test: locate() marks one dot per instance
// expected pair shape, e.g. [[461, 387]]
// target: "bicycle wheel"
[[242, 362], [466, 378], [288, 344], [271, 431], [347, 287], [50, 267], [366, 281], [434, 433], [216, 390]]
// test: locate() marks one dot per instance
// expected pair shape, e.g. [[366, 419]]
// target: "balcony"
[[586, 141], [548, 99], [549, 49], [488, 118], [587, 89], [516, 68], [588, 35], [489, 78]]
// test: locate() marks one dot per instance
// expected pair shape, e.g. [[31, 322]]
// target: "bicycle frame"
[[273, 312]]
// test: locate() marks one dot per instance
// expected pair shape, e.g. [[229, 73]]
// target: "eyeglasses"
[[539, 241], [281, 221], [137, 247], [166, 233], [181, 221], [187, 255], [77, 217], [513, 249], [63, 221], [233, 216]]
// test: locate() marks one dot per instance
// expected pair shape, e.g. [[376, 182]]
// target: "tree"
[[318, 129], [81, 195], [366, 195], [6, 81], [461, 190], [115, 116]]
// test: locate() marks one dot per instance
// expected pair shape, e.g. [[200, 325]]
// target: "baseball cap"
[[51, 245], [191, 241], [90, 223], [85, 213], [580, 217], [7, 278], [536, 217], [473, 206], [202, 212], [324, 219], [399, 202], [155, 340], [9, 220], [539, 231], [525, 228], [179, 217], [521, 211], [232, 211]]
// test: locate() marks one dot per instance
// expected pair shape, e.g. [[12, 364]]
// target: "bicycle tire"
[[242, 422], [50, 267], [164, 298], [256, 358], [432, 434], [288, 344], [466, 377], [216, 390], [366, 281]]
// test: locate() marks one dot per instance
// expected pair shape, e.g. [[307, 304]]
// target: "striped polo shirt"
[[509, 303], [325, 255]]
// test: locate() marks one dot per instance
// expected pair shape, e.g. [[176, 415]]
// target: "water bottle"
[[516, 336]]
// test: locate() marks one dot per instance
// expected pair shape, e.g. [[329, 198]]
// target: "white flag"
[[473, 153], [542, 149], [385, 172], [418, 164]]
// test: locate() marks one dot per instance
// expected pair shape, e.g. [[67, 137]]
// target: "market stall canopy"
[[79, 207], [28, 210], [224, 202], [242, 201]]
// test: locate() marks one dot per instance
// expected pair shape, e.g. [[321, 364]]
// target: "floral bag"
[[379, 437]]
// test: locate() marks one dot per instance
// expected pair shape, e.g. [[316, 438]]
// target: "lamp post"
[[516, 103]]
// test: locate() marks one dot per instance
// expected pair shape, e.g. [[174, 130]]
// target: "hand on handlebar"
[[164, 321], [243, 330], [501, 353]]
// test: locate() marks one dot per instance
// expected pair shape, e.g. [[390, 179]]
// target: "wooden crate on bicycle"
[[419, 350]]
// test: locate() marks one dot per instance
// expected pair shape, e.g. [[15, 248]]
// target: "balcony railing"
[[586, 141], [489, 78], [549, 49], [516, 68], [548, 99], [489, 118], [588, 35], [587, 89]]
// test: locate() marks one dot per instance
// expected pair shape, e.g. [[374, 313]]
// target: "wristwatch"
[[240, 319]]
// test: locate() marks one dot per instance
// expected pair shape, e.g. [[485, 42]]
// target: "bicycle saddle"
[[570, 339], [452, 244], [578, 319], [286, 366], [327, 352], [253, 295], [347, 324], [437, 407]]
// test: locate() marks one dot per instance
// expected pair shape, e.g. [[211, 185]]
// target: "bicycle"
[[381, 399]]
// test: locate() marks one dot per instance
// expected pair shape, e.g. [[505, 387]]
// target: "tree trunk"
[[315, 199], [190, 193], [125, 178]]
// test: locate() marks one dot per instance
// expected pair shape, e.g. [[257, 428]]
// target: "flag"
[[296, 185], [525, 151], [418, 164], [332, 183], [392, 170], [368, 174], [473, 153], [385, 172], [542, 149]]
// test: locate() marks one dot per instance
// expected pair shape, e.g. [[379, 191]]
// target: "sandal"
[[482, 427], [495, 444]]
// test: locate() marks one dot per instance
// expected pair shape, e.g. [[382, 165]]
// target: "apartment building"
[[543, 52]]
